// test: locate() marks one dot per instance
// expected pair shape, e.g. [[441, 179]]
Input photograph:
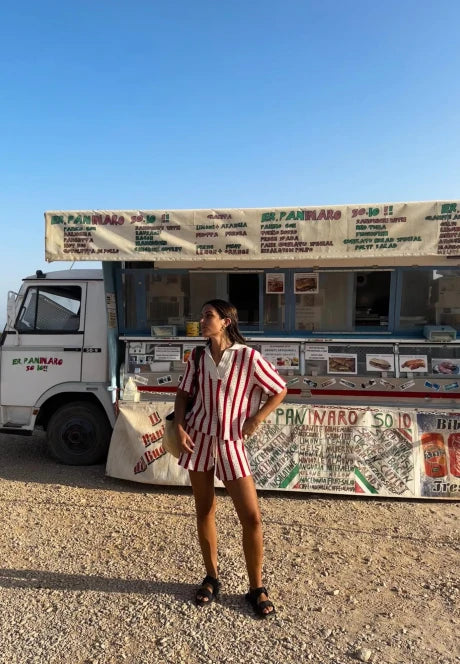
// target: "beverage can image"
[[434, 455], [453, 445]]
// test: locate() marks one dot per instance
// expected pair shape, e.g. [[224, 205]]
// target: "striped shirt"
[[230, 392]]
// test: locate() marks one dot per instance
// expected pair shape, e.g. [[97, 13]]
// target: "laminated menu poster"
[[282, 356], [330, 449]]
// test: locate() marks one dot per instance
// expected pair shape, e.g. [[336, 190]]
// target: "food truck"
[[358, 307]]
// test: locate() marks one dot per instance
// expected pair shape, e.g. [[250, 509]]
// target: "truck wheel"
[[79, 434]]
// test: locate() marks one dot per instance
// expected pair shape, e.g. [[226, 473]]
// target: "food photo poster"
[[413, 363], [379, 362], [305, 282], [275, 283], [340, 363]]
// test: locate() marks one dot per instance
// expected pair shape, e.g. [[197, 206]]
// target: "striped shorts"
[[227, 456]]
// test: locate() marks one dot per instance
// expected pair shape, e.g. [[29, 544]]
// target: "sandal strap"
[[211, 581], [257, 592]]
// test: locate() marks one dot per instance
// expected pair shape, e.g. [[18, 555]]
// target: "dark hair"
[[227, 310]]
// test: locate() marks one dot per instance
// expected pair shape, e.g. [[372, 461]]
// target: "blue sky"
[[147, 105]]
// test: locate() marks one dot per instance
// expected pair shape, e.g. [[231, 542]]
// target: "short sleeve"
[[187, 379], [267, 377]]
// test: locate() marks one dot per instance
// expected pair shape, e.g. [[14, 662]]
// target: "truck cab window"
[[50, 309]]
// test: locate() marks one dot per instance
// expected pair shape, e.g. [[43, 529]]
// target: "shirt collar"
[[235, 346]]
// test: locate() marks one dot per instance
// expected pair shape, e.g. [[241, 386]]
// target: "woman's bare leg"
[[205, 506], [243, 493]]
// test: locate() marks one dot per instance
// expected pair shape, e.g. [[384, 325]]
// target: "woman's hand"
[[180, 405], [249, 426], [186, 442]]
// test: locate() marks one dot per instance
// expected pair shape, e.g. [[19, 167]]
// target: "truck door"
[[45, 348], [94, 359]]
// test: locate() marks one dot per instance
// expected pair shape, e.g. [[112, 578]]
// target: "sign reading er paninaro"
[[382, 233], [386, 452]]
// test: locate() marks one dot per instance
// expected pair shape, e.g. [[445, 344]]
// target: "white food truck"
[[357, 306], [54, 364]]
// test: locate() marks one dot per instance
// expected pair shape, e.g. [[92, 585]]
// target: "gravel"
[[100, 571]]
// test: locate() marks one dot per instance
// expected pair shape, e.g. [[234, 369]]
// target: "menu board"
[[429, 229]]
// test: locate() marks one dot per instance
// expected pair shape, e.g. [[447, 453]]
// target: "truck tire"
[[79, 434]]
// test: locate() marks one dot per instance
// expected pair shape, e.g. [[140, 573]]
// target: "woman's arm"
[[180, 405], [251, 424]]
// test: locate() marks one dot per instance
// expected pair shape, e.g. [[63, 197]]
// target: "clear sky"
[[110, 104]]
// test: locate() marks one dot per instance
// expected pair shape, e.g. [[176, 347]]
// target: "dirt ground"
[[100, 571]]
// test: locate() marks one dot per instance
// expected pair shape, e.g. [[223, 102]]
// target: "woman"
[[231, 380]]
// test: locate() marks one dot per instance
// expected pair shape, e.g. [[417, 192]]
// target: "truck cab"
[[54, 366]]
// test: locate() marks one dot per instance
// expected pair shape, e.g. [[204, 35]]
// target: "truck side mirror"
[[11, 309]]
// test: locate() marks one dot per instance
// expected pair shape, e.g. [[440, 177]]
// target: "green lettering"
[[300, 416], [290, 416], [448, 207], [279, 413]]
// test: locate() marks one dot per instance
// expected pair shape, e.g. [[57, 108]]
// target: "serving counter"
[[363, 417], [355, 371]]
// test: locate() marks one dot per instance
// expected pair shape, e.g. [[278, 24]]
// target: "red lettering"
[[342, 418], [317, 418]]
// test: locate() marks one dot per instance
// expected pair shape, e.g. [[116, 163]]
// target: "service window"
[[167, 298], [429, 297], [342, 301], [372, 298], [243, 293], [50, 309], [129, 300], [326, 304], [240, 288], [173, 297], [274, 304]]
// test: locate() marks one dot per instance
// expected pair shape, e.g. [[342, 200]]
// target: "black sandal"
[[203, 595], [253, 598]]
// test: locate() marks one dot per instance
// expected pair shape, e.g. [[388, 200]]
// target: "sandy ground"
[[100, 571]]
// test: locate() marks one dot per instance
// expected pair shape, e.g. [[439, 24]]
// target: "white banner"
[[332, 449], [382, 232]]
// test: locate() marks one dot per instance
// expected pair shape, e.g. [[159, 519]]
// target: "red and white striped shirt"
[[230, 392]]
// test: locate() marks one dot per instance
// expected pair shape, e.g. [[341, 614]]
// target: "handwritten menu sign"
[[258, 235]]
